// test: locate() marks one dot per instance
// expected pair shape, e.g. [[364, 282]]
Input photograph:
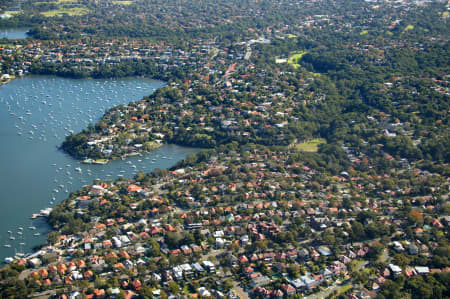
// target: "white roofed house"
[[395, 269], [76, 275], [204, 292], [198, 268], [177, 272], [187, 270], [422, 270], [209, 266]]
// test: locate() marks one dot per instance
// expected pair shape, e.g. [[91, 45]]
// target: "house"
[[187, 270], [344, 259], [177, 272], [219, 243], [324, 251], [204, 292], [76, 275], [137, 285], [129, 294], [186, 250], [243, 259], [325, 272], [248, 271], [422, 270], [244, 240], [35, 262], [43, 273], [209, 266], [198, 268], [395, 269], [277, 294], [363, 294], [303, 254], [99, 293], [288, 289], [309, 281], [410, 272], [398, 246], [260, 281], [75, 295], [413, 249]]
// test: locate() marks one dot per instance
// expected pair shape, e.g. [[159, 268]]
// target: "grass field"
[[409, 27], [295, 57], [76, 11], [310, 146], [122, 2], [11, 13], [57, 2]]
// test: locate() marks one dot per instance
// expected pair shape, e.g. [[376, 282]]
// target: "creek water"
[[17, 33]]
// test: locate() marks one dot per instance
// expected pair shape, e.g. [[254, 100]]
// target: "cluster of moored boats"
[[46, 112]]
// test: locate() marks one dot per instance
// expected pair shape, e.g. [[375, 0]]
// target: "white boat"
[[9, 260], [36, 234], [7, 245], [78, 169]]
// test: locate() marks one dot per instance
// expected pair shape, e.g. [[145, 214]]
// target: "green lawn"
[[122, 2], [310, 146], [56, 2], [295, 57], [11, 13], [76, 11]]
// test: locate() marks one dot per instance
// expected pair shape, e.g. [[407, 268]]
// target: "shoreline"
[[45, 214], [11, 78]]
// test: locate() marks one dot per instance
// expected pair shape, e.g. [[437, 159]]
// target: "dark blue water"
[[36, 113]]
